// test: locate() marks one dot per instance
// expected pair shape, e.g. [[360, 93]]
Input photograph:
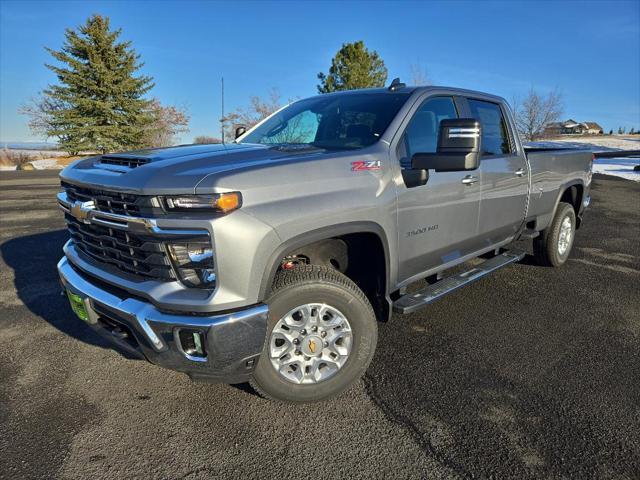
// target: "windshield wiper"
[[334, 147], [293, 147]]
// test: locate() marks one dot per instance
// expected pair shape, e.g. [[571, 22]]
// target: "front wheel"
[[321, 336], [552, 247]]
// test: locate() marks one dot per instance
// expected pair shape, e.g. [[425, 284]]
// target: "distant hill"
[[29, 145]]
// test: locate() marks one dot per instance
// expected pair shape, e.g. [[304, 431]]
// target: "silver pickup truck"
[[271, 259]]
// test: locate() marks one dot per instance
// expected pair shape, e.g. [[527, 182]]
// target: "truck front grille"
[[111, 202], [143, 257]]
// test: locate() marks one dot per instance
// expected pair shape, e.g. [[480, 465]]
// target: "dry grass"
[[64, 161], [11, 158], [19, 158]]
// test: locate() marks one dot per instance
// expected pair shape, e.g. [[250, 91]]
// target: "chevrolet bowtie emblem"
[[80, 210]]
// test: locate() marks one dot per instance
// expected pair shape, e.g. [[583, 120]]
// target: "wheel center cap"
[[312, 346]]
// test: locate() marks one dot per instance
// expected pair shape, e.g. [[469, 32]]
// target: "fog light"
[[192, 343]]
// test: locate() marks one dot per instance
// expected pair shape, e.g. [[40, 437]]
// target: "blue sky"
[[589, 50]]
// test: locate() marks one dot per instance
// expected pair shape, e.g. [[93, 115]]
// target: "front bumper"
[[233, 341]]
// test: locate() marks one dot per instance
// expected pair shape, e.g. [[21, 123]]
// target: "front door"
[[504, 176], [437, 221]]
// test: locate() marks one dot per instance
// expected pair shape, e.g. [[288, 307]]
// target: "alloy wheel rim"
[[310, 344], [566, 234]]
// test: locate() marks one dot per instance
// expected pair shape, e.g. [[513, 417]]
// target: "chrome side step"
[[411, 302]]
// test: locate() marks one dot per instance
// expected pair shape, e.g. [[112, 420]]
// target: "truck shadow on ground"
[[33, 259]]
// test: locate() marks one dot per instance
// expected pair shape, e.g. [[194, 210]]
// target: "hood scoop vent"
[[123, 161]]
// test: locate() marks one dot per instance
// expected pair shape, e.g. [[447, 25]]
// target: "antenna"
[[222, 118], [396, 84]]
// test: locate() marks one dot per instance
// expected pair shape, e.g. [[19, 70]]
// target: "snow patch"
[[45, 164], [599, 143], [618, 167]]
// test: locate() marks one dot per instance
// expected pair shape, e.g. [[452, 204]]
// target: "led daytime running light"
[[224, 202]]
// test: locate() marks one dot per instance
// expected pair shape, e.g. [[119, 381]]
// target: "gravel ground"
[[531, 373]]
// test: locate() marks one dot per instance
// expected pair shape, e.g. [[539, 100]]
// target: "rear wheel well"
[[573, 196], [359, 256]]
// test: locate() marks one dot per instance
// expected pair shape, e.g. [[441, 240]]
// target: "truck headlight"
[[194, 264], [222, 202]]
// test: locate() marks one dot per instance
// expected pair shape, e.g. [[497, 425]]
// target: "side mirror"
[[240, 130], [459, 147]]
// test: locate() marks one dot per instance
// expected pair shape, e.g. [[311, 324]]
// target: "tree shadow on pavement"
[[33, 259]]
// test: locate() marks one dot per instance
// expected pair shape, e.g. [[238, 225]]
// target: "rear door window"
[[495, 136]]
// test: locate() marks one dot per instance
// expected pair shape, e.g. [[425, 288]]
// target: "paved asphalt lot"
[[531, 373]]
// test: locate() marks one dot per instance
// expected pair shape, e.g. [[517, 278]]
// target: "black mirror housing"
[[240, 130], [459, 147]]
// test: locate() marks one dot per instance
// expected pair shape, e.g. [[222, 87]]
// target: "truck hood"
[[174, 170]]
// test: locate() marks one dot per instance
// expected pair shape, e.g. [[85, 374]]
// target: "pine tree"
[[99, 103], [353, 67]]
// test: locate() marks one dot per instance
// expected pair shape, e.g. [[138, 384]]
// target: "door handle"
[[469, 180], [519, 172]]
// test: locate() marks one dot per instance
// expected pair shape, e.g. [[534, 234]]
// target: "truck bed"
[[552, 170]]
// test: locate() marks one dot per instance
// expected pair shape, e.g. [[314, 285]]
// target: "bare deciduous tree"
[[38, 110], [535, 112], [41, 119], [419, 75], [206, 139], [168, 121], [257, 110]]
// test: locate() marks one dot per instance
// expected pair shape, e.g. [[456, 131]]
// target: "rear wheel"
[[321, 336], [553, 246]]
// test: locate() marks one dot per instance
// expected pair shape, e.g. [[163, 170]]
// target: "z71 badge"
[[362, 165]]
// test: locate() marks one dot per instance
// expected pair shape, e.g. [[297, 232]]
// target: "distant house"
[[593, 128], [571, 127], [552, 129]]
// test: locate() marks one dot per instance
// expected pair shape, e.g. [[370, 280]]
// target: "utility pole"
[[222, 118]]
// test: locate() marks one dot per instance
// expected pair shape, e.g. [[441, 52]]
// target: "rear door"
[[437, 221], [504, 182]]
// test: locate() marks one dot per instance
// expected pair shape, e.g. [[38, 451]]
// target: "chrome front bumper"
[[233, 340]]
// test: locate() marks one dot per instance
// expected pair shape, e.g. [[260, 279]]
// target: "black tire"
[[317, 284], [545, 247]]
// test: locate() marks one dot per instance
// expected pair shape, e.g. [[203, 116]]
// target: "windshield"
[[334, 122]]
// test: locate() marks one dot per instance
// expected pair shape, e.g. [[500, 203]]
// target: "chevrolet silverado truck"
[[271, 259]]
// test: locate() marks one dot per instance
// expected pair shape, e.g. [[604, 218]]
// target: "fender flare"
[[316, 235], [563, 188]]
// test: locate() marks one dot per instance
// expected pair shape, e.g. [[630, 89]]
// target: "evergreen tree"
[[353, 67], [99, 103]]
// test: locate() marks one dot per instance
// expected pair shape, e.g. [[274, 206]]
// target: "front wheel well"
[[360, 256]]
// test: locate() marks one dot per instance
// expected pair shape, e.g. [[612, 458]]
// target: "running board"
[[529, 234], [411, 302]]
